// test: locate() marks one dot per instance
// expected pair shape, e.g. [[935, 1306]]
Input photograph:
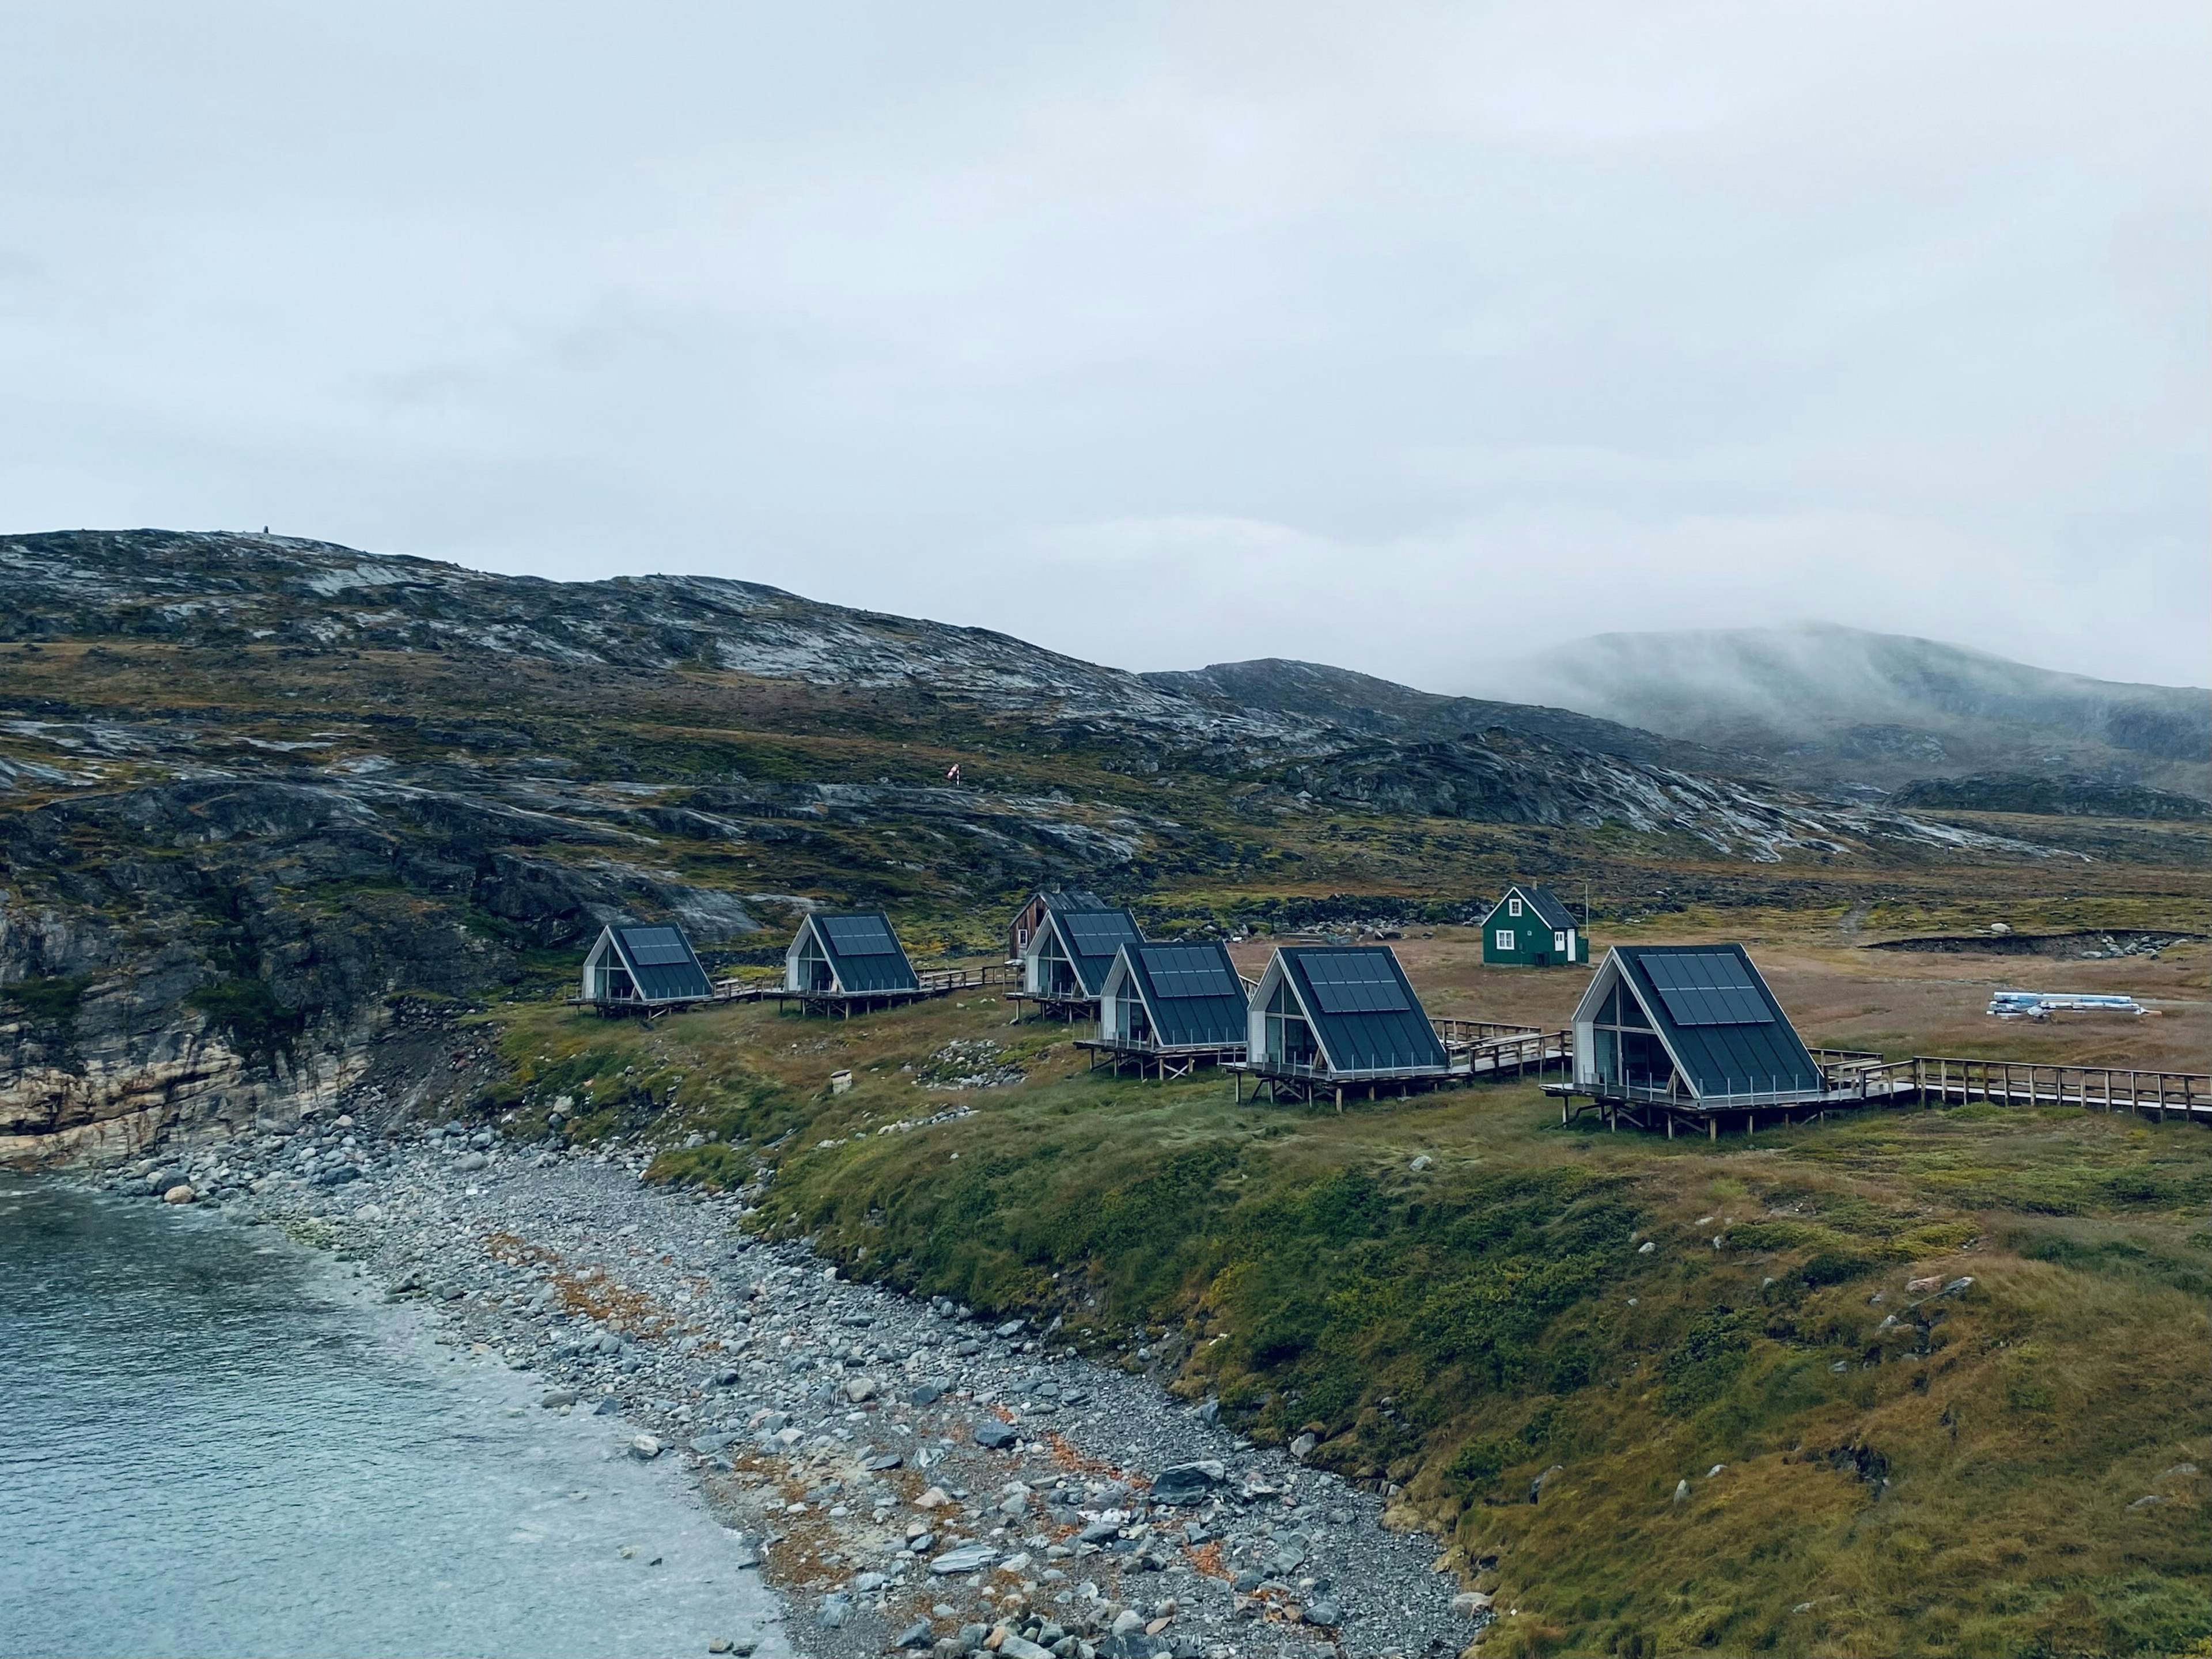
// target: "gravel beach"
[[908, 1476]]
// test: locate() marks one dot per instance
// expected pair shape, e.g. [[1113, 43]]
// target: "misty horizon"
[[1158, 337]]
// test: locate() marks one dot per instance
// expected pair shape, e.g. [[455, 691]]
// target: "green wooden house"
[[1529, 927]]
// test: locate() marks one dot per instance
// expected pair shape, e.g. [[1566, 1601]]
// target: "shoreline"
[[903, 1475]]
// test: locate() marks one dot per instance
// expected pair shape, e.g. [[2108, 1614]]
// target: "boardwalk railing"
[[1855, 1079], [937, 981], [1528, 1048], [1947, 1081]]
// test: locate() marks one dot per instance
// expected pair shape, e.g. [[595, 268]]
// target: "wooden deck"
[[1151, 1060], [1066, 1010], [1514, 1051]]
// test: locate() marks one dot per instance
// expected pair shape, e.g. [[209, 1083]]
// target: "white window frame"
[[1513, 906], [1504, 939], [1559, 940]]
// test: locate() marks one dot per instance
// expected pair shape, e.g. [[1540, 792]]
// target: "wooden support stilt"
[[1712, 1128]]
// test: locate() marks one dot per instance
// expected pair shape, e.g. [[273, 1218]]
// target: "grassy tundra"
[[2002, 1470]]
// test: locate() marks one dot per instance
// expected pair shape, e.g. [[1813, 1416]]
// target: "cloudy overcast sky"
[[1407, 338]]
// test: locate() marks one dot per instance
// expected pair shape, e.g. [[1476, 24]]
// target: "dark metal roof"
[[1368, 1019], [1192, 992], [1076, 898], [1708, 988], [864, 953], [1546, 903], [660, 963], [867, 934], [1731, 1036], [1093, 938]]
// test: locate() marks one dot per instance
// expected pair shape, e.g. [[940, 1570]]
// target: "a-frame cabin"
[[1065, 964], [1169, 1007], [847, 963], [1683, 1033], [638, 967], [1328, 1016], [1530, 928]]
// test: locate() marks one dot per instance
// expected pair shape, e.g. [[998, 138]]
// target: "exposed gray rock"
[[968, 1557]]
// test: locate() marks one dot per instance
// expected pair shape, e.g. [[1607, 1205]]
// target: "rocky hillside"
[[1826, 706], [268, 807]]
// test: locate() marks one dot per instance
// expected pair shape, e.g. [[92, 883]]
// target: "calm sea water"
[[218, 1442]]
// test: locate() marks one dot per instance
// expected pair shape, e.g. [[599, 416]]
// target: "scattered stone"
[[1957, 1286], [916, 1635], [179, 1194], [1188, 1483], [555, 1397], [1421, 1162], [967, 1558], [994, 1436], [644, 1447], [1682, 1490]]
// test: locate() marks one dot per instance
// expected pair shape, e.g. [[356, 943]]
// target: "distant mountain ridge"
[[1832, 705], [1378, 708]]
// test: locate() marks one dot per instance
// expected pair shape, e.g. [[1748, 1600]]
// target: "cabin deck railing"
[[1411, 1066], [1474, 1032]]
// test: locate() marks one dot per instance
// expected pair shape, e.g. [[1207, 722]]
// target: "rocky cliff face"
[[272, 810]]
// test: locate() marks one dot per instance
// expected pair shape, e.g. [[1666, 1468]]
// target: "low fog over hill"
[[1841, 705]]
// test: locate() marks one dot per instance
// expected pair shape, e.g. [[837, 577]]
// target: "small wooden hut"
[[1031, 917]]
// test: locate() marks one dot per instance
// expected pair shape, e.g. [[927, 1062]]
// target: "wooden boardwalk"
[[1853, 1081]]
